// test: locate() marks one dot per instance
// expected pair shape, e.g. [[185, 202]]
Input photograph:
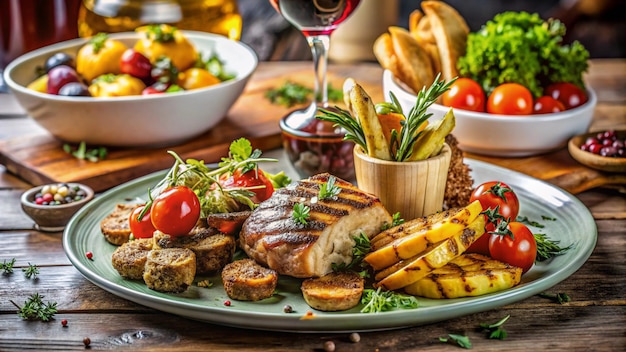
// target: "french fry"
[[432, 138], [364, 111]]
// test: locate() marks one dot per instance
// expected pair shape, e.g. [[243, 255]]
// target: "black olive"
[[74, 89], [59, 59]]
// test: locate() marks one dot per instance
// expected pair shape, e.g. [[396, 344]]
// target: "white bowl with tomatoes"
[[153, 120], [517, 125]]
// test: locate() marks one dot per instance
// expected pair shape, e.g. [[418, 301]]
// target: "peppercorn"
[[64, 323], [288, 309], [87, 341], [329, 346], [355, 337], [89, 255]]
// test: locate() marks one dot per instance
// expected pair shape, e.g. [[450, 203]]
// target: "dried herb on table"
[[35, 309], [83, 153]]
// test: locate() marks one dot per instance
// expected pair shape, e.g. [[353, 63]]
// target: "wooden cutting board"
[[40, 159]]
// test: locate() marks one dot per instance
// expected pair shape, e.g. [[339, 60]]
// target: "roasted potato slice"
[[363, 109], [414, 64]]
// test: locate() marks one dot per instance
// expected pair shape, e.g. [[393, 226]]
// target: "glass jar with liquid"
[[214, 16]]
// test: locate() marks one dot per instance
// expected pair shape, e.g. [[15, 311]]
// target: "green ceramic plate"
[[573, 225]]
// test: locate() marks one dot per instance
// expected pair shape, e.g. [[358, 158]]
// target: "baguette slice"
[[468, 275], [333, 292], [409, 271], [415, 243]]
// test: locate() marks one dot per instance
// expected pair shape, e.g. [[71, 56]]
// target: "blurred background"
[[600, 25]]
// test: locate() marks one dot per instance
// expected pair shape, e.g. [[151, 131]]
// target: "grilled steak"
[[272, 237]]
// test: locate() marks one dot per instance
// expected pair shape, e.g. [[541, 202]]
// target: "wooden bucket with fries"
[[414, 188]]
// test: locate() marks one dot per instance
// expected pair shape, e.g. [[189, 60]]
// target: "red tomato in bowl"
[[510, 99], [175, 211], [141, 228], [261, 185], [518, 248], [466, 94], [567, 93], [547, 105]]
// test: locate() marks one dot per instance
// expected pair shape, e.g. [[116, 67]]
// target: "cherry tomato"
[[60, 76], [494, 194], [466, 94], [499, 202], [518, 248], [547, 105], [175, 211], [567, 93], [252, 178], [510, 99], [135, 64], [141, 228]]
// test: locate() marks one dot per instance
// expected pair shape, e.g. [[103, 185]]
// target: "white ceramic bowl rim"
[[125, 35], [591, 100]]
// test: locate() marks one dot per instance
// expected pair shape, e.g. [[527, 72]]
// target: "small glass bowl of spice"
[[51, 206]]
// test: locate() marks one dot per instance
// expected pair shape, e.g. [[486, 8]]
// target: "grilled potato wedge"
[[432, 139], [406, 272], [363, 109], [431, 232], [470, 274]]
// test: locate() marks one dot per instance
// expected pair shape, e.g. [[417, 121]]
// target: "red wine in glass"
[[315, 17]]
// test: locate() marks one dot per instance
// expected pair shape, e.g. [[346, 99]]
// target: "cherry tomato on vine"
[[510, 99], [567, 93], [252, 178], [175, 211], [547, 105], [499, 202], [141, 228], [518, 248], [466, 94]]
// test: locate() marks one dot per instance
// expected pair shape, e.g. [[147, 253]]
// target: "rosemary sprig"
[[341, 117], [31, 272], [7, 267], [547, 248], [417, 116]]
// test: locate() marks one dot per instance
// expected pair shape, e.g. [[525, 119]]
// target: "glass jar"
[[214, 16]]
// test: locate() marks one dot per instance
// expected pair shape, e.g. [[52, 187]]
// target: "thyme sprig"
[[31, 272], [35, 309], [7, 267]]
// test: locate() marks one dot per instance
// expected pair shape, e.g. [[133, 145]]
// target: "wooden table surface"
[[594, 320]]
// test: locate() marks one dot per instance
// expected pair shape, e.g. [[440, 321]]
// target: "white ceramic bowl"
[[153, 120], [502, 135]]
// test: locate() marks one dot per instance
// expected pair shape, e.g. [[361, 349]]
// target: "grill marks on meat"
[[271, 233]]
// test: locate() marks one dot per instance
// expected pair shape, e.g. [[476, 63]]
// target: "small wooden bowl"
[[602, 163]]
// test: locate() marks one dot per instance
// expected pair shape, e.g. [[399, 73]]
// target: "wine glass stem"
[[320, 44]]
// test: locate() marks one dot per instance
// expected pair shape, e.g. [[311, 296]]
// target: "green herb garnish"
[[547, 248], [291, 93], [362, 247], [377, 301], [300, 213], [35, 309], [495, 331], [328, 189], [31, 272], [461, 340], [83, 153], [560, 297], [395, 221], [526, 220], [7, 267]]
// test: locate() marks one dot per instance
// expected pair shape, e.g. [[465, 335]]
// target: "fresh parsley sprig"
[[301, 213], [362, 247], [460, 340], [328, 189], [495, 330], [84, 153], [377, 301]]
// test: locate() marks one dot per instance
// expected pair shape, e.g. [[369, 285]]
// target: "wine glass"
[[316, 19], [312, 145]]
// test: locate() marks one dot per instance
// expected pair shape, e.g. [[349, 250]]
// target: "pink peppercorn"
[[89, 255]]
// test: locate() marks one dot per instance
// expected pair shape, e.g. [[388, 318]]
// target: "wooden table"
[[595, 319]]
